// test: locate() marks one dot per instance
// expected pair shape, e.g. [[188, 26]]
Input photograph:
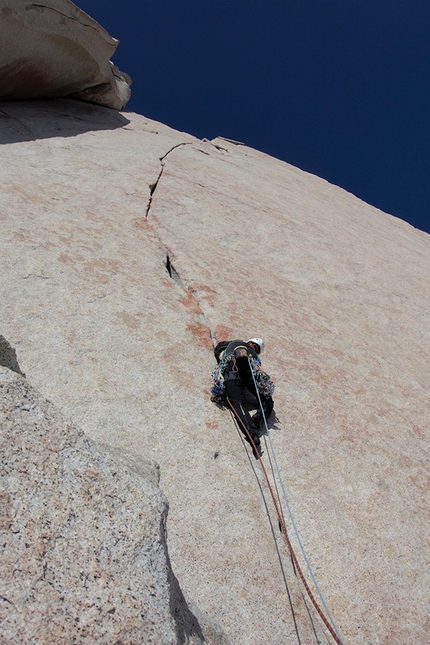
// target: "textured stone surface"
[[81, 538], [93, 204], [84, 556], [55, 49]]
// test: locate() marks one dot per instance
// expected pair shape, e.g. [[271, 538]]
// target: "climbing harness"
[[228, 360], [330, 625]]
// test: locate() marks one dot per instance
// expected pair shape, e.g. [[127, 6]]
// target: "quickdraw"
[[217, 388], [264, 385]]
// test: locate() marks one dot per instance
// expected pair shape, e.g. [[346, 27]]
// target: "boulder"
[[55, 49], [84, 554]]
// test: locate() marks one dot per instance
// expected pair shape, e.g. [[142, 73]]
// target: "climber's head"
[[256, 344]]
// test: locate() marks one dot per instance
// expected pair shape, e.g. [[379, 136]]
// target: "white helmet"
[[257, 341]]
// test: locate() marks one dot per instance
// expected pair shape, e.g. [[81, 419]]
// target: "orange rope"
[[285, 535]]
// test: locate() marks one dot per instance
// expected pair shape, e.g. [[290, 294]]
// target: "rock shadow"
[[8, 356], [45, 118], [192, 626]]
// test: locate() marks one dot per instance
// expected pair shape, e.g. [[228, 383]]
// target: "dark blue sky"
[[340, 88]]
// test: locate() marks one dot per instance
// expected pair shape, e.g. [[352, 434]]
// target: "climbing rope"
[[330, 625], [283, 573]]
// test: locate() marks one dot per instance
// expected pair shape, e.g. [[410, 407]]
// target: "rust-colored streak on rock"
[[207, 295], [142, 223], [222, 332], [202, 287], [202, 333], [104, 264], [209, 299], [190, 301], [64, 258], [129, 320], [212, 424], [421, 480]]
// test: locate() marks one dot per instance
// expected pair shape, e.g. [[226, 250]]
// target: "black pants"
[[237, 392], [267, 403]]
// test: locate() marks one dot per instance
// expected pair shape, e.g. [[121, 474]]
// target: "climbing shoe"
[[257, 419], [257, 452]]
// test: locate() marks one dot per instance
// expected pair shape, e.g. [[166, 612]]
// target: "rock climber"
[[235, 359]]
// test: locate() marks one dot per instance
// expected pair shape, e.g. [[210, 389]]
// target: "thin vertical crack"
[[173, 273], [153, 187]]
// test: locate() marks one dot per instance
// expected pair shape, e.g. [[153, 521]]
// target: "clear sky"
[[340, 88]]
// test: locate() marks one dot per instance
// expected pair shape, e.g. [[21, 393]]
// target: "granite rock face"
[[128, 249], [55, 49], [84, 555]]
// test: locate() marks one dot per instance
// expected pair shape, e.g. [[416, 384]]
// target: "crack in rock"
[[43, 7], [153, 187], [178, 145], [172, 272], [201, 330], [14, 118], [36, 275]]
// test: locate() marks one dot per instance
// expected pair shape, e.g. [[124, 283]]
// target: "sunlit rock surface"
[[94, 206], [53, 48]]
